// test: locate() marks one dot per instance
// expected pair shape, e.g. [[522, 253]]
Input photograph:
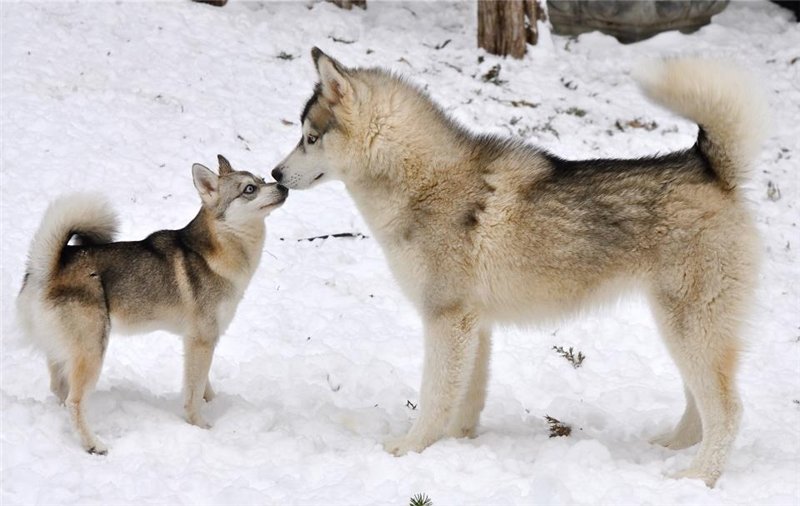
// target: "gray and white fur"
[[186, 281], [480, 230]]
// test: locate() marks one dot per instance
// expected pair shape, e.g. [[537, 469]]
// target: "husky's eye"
[[249, 189], [311, 138]]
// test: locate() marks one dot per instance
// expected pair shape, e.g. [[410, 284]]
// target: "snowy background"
[[323, 360]]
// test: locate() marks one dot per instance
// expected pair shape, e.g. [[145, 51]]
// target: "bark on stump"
[[348, 4], [502, 26], [215, 3]]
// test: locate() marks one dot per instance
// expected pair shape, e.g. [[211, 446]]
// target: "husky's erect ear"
[[332, 76], [224, 165], [207, 183]]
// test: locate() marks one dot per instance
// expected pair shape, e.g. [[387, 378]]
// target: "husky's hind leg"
[[465, 420], [689, 430], [699, 309]]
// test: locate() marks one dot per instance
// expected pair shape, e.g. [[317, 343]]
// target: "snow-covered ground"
[[323, 360]]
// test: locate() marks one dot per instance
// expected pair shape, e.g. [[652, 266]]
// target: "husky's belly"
[[522, 298], [129, 324]]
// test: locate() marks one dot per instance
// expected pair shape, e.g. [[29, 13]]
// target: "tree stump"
[[502, 26], [348, 4], [532, 14], [215, 3]]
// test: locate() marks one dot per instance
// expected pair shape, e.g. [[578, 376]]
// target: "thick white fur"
[[721, 97], [476, 233], [67, 215], [67, 309]]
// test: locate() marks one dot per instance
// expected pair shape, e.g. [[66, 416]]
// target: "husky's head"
[[328, 121], [362, 126], [236, 197]]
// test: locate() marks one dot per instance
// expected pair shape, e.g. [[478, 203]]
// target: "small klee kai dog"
[[186, 281]]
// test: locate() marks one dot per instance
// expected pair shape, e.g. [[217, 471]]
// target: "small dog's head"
[[236, 196], [323, 150]]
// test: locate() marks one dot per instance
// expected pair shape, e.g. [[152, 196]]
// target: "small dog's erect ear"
[[206, 182], [316, 53], [332, 76], [224, 165]]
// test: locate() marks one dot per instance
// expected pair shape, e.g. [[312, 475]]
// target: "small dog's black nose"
[[277, 174], [284, 190]]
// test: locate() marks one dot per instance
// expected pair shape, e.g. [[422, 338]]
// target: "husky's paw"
[[209, 394], [677, 441], [399, 446], [462, 432], [198, 421], [708, 477]]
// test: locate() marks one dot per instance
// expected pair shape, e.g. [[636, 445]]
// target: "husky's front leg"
[[197, 361], [209, 393], [451, 345], [464, 423]]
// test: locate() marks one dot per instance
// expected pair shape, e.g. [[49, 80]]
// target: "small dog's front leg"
[[197, 362], [451, 346]]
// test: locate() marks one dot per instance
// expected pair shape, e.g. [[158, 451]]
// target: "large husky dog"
[[187, 281], [479, 229]]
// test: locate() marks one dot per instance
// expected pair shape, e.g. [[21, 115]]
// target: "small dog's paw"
[[61, 398], [97, 448], [399, 446]]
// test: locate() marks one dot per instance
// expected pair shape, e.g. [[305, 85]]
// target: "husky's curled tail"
[[87, 216], [722, 99]]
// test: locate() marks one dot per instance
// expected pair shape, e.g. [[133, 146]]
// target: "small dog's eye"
[[311, 139], [249, 189]]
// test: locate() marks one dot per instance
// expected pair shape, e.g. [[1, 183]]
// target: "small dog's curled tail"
[[722, 99], [85, 215]]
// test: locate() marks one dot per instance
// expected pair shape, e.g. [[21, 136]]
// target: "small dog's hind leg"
[[58, 380], [465, 421], [84, 369], [451, 346], [197, 362]]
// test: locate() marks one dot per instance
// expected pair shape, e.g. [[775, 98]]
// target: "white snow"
[[324, 353]]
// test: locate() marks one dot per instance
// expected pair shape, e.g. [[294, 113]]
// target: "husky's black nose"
[[284, 190], [277, 174]]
